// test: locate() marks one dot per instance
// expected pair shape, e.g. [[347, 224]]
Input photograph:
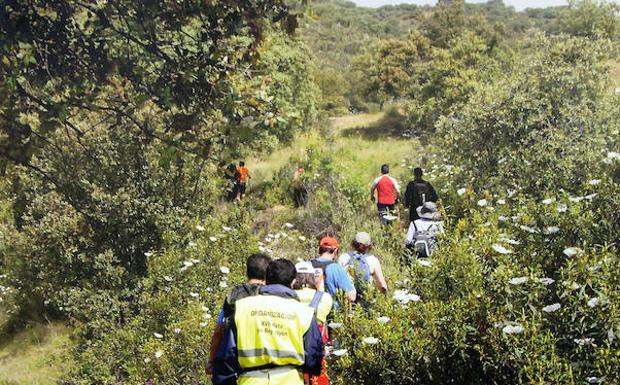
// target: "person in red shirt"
[[388, 193], [243, 174]]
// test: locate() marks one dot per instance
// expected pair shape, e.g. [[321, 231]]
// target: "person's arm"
[[341, 281], [409, 195], [314, 349], [226, 366], [396, 188], [379, 279], [372, 189], [216, 341]]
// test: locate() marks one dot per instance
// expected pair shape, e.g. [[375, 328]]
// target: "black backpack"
[[236, 293], [420, 190]]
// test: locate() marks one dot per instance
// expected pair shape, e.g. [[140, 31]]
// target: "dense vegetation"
[[118, 118]]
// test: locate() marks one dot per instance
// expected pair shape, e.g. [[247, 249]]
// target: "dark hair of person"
[[360, 247], [241, 163], [417, 172], [280, 272], [256, 266], [323, 250], [385, 169], [304, 280]]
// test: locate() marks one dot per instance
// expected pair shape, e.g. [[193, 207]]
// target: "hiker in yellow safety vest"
[[274, 339]]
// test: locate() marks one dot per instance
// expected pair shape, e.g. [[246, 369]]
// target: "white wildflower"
[[223, 284], [158, 354], [590, 196], [277, 236], [289, 225], [404, 297], [177, 330], [224, 270], [552, 308], [226, 228], [547, 201], [482, 202], [206, 316], [194, 295], [528, 229], [200, 228], [195, 261], [513, 329], [339, 352], [188, 263], [301, 238], [157, 335], [461, 191], [503, 218], [510, 241], [575, 199], [518, 280], [192, 244], [335, 325], [594, 302], [262, 249], [203, 324], [425, 262], [596, 380], [501, 249], [546, 281], [551, 230], [370, 340], [204, 308], [583, 341], [147, 360], [562, 207], [594, 182], [212, 239], [383, 319], [148, 254], [167, 278], [571, 251]]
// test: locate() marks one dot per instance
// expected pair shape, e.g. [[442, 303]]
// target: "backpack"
[[420, 193], [236, 293], [361, 273], [425, 242]]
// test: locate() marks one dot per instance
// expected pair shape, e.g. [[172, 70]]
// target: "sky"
[[518, 4]]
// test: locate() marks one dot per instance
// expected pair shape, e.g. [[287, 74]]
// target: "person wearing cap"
[[274, 338], [335, 277], [367, 264], [388, 194], [422, 233], [306, 288]]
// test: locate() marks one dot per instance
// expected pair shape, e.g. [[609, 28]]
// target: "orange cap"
[[329, 242]]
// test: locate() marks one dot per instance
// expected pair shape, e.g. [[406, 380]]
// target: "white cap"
[[304, 267], [363, 238]]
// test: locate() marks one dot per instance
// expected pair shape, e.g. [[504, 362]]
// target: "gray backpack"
[[425, 242]]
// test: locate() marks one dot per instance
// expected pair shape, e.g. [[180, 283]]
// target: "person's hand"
[[372, 198], [209, 368]]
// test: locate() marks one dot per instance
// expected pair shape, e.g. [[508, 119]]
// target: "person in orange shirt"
[[243, 174]]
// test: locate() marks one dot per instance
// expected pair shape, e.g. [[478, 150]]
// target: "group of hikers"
[[273, 329]]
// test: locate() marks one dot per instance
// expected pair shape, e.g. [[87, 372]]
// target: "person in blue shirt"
[[336, 278]]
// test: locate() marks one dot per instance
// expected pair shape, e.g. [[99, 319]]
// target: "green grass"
[[35, 356], [361, 144]]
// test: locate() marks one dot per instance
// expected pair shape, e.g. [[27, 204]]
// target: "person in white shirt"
[[422, 233], [368, 265]]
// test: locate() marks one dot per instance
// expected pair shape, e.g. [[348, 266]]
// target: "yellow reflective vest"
[[270, 331]]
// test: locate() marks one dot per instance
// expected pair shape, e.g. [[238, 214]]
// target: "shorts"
[[241, 188], [383, 210]]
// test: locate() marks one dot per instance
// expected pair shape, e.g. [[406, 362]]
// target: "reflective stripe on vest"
[[270, 331]]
